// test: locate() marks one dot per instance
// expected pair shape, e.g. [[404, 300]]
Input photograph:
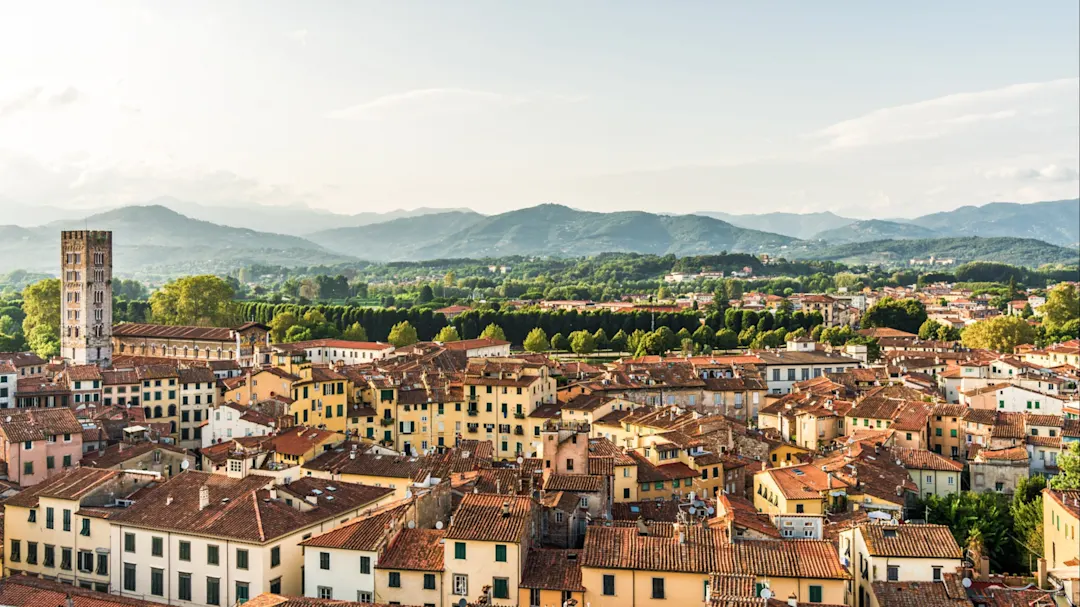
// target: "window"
[[129, 577], [365, 564], [500, 553], [185, 551], [129, 542], [213, 591], [275, 585], [894, 573], [103, 564], [157, 546], [85, 527], [50, 556], [324, 560], [49, 522], [326, 592], [241, 559], [31, 553], [86, 561], [15, 554], [815, 594], [65, 559], [157, 581], [395, 579], [459, 551], [501, 589], [33, 517], [275, 556], [211, 555], [184, 587], [799, 508], [242, 594], [461, 584], [658, 586], [609, 585], [429, 581], [67, 520], [937, 574]]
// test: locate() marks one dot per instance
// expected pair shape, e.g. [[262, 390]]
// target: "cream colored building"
[[908, 553]]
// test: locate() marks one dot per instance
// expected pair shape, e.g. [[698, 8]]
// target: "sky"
[[863, 109]]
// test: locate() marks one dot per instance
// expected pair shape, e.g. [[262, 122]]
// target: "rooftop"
[[550, 569], [414, 550], [910, 541], [491, 518]]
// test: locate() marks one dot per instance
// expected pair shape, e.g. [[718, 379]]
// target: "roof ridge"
[[258, 514]]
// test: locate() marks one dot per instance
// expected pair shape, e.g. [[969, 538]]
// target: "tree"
[[1068, 476], [726, 339], [355, 332], [297, 333], [617, 343], [426, 294], [559, 343], [449, 279], [929, 329], [203, 301], [403, 334], [1001, 333], [536, 341], [582, 342], [493, 331], [1027, 312], [669, 341], [601, 339], [41, 304], [1062, 306], [1027, 514], [280, 325], [447, 334], [900, 314], [704, 336]]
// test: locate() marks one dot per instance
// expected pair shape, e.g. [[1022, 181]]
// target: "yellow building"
[[947, 431], [320, 398], [60, 528], [161, 396], [664, 564], [396, 472], [500, 393], [934, 474], [804, 489], [410, 571], [892, 553], [1061, 524], [259, 385], [299, 444], [486, 545]]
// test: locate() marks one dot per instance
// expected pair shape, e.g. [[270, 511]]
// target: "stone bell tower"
[[86, 296]]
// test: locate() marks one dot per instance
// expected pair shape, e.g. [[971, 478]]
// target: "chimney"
[[69, 602], [642, 529], [506, 509], [204, 497], [168, 500]]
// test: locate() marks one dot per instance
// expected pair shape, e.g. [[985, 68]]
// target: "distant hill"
[[1016, 251], [154, 239], [874, 229], [1056, 222], [797, 225], [557, 230], [395, 239], [295, 220]]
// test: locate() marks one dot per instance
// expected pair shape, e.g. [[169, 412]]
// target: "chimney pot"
[[204, 497]]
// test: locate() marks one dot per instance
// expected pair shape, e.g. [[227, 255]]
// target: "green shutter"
[[459, 550], [500, 553], [815, 594]]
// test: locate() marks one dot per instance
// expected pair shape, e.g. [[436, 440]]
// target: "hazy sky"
[[888, 109]]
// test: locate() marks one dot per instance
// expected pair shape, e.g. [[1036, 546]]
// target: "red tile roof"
[[910, 541], [31, 591], [68, 486], [480, 517], [25, 425], [367, 532], [173, 332], [550, 569], [414, 550]]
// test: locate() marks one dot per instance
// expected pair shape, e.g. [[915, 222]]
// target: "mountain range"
[[156, 240]]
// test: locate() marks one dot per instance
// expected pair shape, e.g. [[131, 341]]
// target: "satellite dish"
[[693, 510], [184, 465], [439, 525], [412, 524], [966, 582], [710, 510], [766, 593], [408, 494], [463, 603], [520, 460]]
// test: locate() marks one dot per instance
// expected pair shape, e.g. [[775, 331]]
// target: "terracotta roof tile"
[[910, 541], [69, 486], [921, 459], [574, 482], [946, 593], [414, 550], [31, 591], [550, 569], [38, 424], [480, 517], [366, 532]]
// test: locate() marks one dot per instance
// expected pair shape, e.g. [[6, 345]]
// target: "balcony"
[[519, 430], [473, 412], [386, 421], [519, 415], [473, 428]]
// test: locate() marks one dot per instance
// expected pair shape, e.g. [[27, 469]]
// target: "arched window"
[[172, 410], [157, 411], [146, 411]]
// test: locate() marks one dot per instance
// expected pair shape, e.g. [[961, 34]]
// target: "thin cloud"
[[299, 36], [424, 102], [38, 98], [946, 115], [1053, 172]]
